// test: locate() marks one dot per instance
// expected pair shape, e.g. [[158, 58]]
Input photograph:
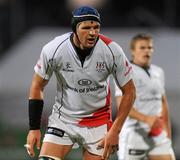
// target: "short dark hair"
[[140, 36]]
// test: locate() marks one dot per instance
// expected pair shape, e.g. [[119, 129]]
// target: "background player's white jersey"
[[149, 91], [83, 95], [135, 141]]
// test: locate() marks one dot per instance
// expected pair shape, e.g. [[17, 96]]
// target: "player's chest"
[[151, 82], [92, 68]]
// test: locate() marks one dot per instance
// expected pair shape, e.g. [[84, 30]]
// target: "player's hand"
[[33, 138], [154, 121], [156, 125], [109, 143]]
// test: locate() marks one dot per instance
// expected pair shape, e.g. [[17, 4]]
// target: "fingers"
[[30, 149], [100, 144], [33, 138], [38, 144], [27, 146], [115, 148], [110, 149], [158, 123], [108, 153], [105, 153]]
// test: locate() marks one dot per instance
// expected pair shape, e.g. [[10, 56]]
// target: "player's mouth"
[[147, 56], [91, 40]]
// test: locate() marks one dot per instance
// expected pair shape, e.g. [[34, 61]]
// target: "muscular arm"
[[37, 87], [165, 116], [112, 137], [36, 93], [125, 105], [152, 121], [142, 117], [118, 101]]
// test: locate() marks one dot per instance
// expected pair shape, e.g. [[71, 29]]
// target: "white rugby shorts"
[[59, 132], [137, 145]]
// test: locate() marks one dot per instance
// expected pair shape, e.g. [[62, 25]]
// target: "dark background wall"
[[19, 16]]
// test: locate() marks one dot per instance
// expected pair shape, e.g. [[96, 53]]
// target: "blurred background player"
[[82, 61], [147, 131]]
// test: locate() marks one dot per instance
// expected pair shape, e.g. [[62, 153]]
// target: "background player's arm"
[[36, 93], [150, 120], [165, 116]]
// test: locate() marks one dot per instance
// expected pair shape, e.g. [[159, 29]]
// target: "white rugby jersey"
[[83, 94], [149, 91]]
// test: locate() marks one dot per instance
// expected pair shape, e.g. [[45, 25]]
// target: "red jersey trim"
[[38, 65], [105, 39], [101, 116]]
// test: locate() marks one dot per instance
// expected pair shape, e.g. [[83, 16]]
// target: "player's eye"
[[150, 47], [142, 47], [97, 27], [86, 28]]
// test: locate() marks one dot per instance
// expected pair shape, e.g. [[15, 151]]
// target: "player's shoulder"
[[113, 46], [156, 70], [155, 67], [56, 42], [134, 65], [105, 39], [136, 69]]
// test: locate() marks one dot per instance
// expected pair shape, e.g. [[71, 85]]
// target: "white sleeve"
[[44, 66], [122, 69]]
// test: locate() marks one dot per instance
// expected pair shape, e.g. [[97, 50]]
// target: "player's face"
[[88, 32], [142, 52]]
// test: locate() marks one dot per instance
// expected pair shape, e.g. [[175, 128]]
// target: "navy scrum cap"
[[84, 13]]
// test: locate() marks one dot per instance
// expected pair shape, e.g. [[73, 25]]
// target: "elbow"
[[130, 90]]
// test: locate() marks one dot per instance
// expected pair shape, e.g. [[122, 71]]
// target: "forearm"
[[148, 119], [137, 115], [36, 102], [165, 116], [123, 111], [125, 106]]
